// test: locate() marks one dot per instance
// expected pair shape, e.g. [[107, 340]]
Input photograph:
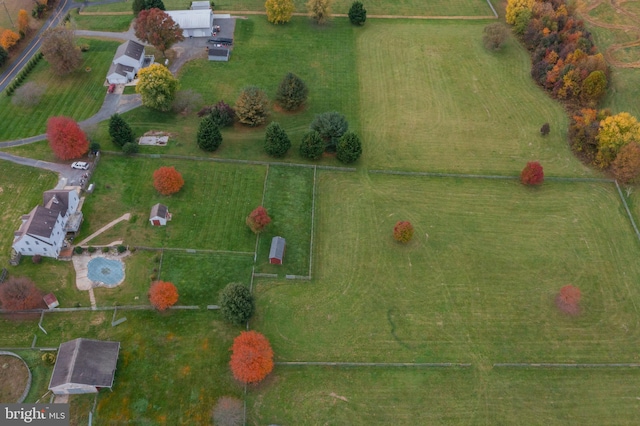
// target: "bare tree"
[[60, 50], [28, 95]]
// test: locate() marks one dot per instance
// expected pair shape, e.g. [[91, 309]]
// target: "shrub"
[[105, 249], [292, 92], [91, 249], [130, 148], [236, 303], [330, 126], [20, 293], [252, 106], [251, 358], [626, 166], [276, 143], [349, 148], [49, 358], [167, 180], [121, 249], [94, 147], [545, 129], [228, 411], [311, 146], [222, 114], [403, 231], [78, 250], [258, 219], [494, 36], [28, 95], [357, 13], [163, 295], [37, 259], [532, 174], [209, 137], [568, 300]]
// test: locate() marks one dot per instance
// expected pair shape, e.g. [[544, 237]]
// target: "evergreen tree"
[[349, 148], [252, 106], [154, 4], [277, 142], [357, 13], [209, 137], [292, 92], [236, 303], [311, 146], [331, 126], [3, 56], [120, 131], [137, 6]]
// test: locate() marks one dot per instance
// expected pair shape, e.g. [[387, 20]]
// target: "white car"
[[80, 165]]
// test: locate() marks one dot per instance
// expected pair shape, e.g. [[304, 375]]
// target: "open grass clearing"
[[113, 23], [453, 106], [170, 373], [208, 212], [480, 288], [311, 395], [200, 277], [288, 200], [21, 189], [78, 95]]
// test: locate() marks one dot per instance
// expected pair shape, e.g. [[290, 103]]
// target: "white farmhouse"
[[44, 229], [128, 60]]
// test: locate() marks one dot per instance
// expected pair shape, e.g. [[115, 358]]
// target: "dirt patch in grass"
[[13, 378]]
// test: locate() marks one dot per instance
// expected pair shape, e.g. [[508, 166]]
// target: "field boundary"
[[375, 364], [493, 177], [626, 207], [195, 251], [562, 365], [313, 217]]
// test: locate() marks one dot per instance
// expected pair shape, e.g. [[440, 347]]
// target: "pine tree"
[[311, 146], [209, 137], [292, 92], [357, 13], [349, 148], [276, 142], [120, 131]]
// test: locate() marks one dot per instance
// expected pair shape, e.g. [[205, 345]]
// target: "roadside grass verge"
[[21, 189], [323, 57], [288, 201], [185, 353], [78, 95], [200, 277], [113, 23], [311, 395], [454, 106], [479, 288], [208, 212]]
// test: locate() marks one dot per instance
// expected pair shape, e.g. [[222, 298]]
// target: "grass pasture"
[[114, 23], [79, 94], [479, 289]]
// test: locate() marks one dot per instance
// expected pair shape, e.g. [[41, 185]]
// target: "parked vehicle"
[[112, 88], [80, 165]]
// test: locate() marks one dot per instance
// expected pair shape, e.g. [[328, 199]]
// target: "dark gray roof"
[[159, 210], [42, 221], [277, 248], [123, 69], [87, 362], [131, 49], [216, 51], [57, 201]]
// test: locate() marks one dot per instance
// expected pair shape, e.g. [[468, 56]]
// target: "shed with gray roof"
[[276, 253]]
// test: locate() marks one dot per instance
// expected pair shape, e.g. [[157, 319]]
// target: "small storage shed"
[[278, 245], [84, 366], [51, 300], [218, 54], [159, 215]]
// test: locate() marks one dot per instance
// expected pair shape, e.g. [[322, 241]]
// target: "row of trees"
[[281, 11], [9, 39]]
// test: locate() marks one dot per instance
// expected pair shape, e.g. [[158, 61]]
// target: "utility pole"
[[7, 10]]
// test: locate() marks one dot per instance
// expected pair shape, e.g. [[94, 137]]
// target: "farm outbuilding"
[[276, 253], [84, 366], [218, 54], [194, 23], [159, 215]]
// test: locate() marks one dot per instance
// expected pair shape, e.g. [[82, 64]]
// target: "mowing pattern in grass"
[[200, 278], [78, 95], [208, 212], [114, 23], [288, 200], [419, 396], [453, 106], [21, 190], [170, 373], [480, 288]]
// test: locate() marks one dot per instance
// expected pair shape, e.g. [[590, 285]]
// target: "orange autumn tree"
[[66, 138], [23, 21], [251, 358], [167, 180], [163, 295], [8, 39]]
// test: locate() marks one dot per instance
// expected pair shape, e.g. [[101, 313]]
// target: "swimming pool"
[[105, 271]]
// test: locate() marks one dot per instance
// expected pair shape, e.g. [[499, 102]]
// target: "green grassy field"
[[208, 212], [373, 7], [480, 288], [114, 23], [78, 95]]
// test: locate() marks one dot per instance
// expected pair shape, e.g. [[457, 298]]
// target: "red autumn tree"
[[251, 358], [258, 219], [532, 174], [20, 293], [568, 299], [167, 180], [66, 138], [403, 231], [163, 295], [157, 28]]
